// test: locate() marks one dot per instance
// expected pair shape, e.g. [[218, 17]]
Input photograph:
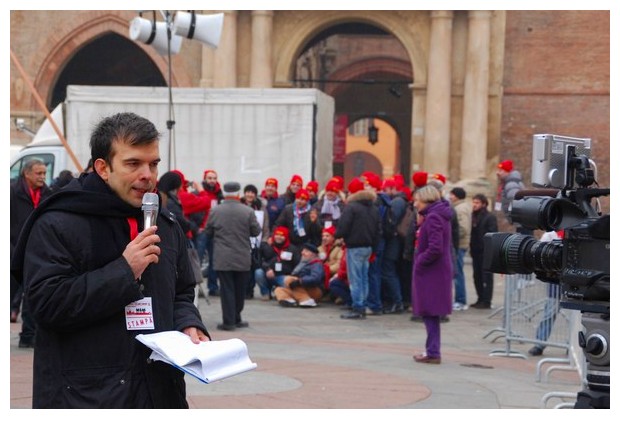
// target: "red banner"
[[340, 138]]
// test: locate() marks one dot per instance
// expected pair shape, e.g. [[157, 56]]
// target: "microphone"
[[150, 207]]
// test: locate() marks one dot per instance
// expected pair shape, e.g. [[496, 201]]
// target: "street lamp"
[[373, 132], [166, 38]]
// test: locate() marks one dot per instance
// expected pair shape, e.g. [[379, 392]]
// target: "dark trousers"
[[483, 280], [26, 336], [233, 285], [211, 274]]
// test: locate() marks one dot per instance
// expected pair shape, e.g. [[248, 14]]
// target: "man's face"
[[279, 238], [301, 202], [132, 172], [330, 195], [327, 239], [249, 196], [307, 255], [295, 186], [476, 205], [270, 190], [211, 179], [501, 173], [36, 176], [452, 197]]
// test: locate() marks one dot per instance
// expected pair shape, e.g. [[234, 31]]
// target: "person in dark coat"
[[482, 222], [278, 259], [230, 226], [360, 228], [432, 268], [169, 185], [274, 204], [305, 285], [94, 282], [302, 221], [25, 195]]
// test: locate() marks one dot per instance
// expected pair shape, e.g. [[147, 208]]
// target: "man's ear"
[[102, 168]]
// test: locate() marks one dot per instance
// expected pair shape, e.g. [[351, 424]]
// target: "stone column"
[[476, 97], [437, 135], [225, 62], [418, 120], [261, 73]]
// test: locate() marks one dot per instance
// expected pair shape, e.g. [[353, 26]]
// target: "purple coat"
[[432, 268]]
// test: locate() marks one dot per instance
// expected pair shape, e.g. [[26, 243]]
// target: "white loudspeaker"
[[154, 34], [205, 28]]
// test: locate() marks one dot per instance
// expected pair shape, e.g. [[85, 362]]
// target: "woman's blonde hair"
[[428, 194]]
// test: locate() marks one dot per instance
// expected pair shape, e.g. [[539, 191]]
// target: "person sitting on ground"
[[278, 259], [339, 284], [304, 287], [330, 252]]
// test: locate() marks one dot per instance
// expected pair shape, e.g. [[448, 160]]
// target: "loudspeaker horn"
[[154, 33], [205, 28]]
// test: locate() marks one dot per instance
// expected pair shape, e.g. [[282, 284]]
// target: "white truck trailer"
[[244, 134]]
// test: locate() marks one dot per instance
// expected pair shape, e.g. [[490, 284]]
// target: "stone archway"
[[101, 22]]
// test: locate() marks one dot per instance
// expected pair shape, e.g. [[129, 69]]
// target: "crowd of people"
[[371, 247]]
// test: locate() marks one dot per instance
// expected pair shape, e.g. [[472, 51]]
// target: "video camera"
[[579, 262]]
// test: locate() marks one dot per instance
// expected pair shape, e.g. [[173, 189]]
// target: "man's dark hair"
[[125, 127], [458, 193], [482, 198]]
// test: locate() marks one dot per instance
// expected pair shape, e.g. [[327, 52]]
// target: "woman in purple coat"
[[432, 268]]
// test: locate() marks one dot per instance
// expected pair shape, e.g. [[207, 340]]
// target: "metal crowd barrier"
[[531, 314]]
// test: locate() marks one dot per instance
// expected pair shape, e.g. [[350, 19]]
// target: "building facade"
[[461, 90]]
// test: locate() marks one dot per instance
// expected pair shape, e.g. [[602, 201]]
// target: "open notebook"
[[207, 361]]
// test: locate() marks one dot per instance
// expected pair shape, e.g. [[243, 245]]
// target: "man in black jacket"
[[26, 194], [482, 221], [360, 227], [94, 282]]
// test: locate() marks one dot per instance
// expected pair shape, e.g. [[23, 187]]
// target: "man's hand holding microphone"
[[143, 250]]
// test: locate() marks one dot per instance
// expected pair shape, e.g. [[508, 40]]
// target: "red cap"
[[355, 185], [204, 175], [297, 178], [437, 176], [282, 230], [333, 186], [330, 230], [400, 180], [313, 186], [372, 179], [420, 178], [272, 181], [506, 165], [389, 183], [302, 193]]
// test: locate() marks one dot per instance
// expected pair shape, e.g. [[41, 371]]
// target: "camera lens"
[[521, 254]]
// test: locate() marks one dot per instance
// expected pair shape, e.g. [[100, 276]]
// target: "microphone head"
[[150, 200]]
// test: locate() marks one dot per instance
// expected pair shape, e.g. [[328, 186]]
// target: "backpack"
[[387, 217], [405, 223]]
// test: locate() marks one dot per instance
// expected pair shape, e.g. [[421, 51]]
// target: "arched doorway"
[[368, 72], [107, 60]]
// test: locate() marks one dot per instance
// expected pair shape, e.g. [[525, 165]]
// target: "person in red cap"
[[301, 220], [330, 252], [204, 244], [510, 182], [360, 228], [278, 258], [274, 202], [330, 204], [295, 185], [420, 179], [313, 189]]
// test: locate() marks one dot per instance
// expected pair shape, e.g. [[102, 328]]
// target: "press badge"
[[328, 223], [301, 232], [498, 206], [278, 266], [286, 256], [139, 315]]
